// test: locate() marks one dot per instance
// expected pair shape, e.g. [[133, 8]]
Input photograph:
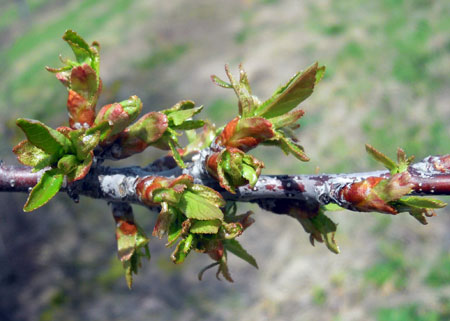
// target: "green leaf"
[[289, 146], [182, 250], [175, 229], [209, 194], [197, 207], [49, 140], [236, 248], [84, 143], [166, 195], [44, 190], [327, 228], [175, 154], [286, 119], [30, 155], [190, 124], [319, 74], [419, 214], [103, 128], [68, 163], [380, 157], [205, 227], [422, 202], [79, 47], [83, 80], [293, 93], [149, 128], [332, 207], [178, 117], [132, 245], [82, 169], [219, 82], [249, 174]]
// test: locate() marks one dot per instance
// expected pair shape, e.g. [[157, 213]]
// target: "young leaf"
[[327, 228], [68, 163], [30, 155], [286, 119], [84, 143], [205, 227], [175, 228], [149, 128], [383, 159], [180, 116], [197, 207], [422, 202], [219, 82], [289, 146], [190, 124], [175, 154], [83, 80], [82, 169], [249, 174], [209, 194], [79, 47], [49, 140], [182, 250], [47, 187], [293, 93], [236, 248]]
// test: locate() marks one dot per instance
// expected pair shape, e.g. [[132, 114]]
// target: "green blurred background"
[[386, 84]]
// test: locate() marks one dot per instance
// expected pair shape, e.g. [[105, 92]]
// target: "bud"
[[147, 130], [119, 115], [233, 168], [68, 163]]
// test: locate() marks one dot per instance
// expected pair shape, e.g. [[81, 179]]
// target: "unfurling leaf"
[[147, 130], [247, 102], [182, 250], [395, 168], [289, 146], [197, 207], [205, 227], [119, 115], [246, 133], [43, 137], [208, 193], [423, 202], [68, 163], [82, 169], [44, 190], [84, 142], [380, 157], [132, 245], [236, 248], [30, 155], [321, 228], [227, 166], [289, 96]]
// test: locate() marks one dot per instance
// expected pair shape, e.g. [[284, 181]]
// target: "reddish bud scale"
[[126, 227], [245, 133], [246, 220], [145, 132], [78, 109], [227, 132], [362, 196], [216, 253], [212, 163], [145, 186], [64, 130], [443, 164]]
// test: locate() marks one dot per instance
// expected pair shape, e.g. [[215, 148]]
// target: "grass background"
[[386, 84]]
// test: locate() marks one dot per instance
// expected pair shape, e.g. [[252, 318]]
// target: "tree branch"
[[275, 193]]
